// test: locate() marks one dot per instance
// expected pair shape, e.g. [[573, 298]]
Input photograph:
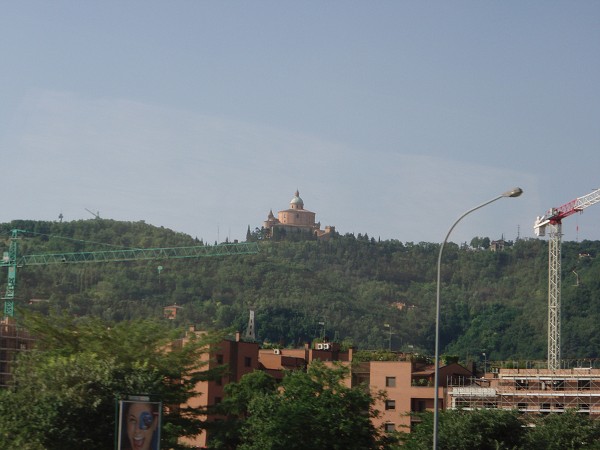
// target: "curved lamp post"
[[387, 325], [512, 193], [484, 363]]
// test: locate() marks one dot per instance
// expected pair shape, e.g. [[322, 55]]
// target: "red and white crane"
[[553, 220]]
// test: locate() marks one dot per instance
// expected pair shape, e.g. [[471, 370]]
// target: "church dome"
[[297, 201]]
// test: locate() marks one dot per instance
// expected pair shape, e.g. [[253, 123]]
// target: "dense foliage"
[[65, 391], [346, 288], [307, 410], [460, 430], [496, 429]]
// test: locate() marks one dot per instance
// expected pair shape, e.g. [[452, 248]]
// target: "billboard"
[[139, 425]]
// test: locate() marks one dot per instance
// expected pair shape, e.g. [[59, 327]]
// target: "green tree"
[[483, 429], [226, 434], [311, 410], [65, 391], [570, 430]]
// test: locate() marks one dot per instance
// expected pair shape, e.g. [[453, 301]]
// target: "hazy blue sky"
[[391, 117]]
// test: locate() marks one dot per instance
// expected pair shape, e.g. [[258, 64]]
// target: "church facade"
[[296, 220]]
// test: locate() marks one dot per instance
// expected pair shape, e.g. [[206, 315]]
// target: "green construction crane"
[[12, 260]]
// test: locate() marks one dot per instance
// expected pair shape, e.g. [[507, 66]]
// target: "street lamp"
[[322, 329], [387, 325], [512, 193], [484, 363]]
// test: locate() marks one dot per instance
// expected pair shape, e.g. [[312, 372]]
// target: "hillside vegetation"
[[348, 288]]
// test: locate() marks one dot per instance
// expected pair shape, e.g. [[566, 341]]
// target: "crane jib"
[[138, 254], [12, 260]]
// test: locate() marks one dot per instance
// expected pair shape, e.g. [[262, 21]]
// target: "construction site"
[[529, 390], [533, 389]]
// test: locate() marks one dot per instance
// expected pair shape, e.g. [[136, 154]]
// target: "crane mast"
[[11, 260], [553, 221]]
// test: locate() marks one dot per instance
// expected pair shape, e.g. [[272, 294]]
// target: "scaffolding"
[[13, 339], [530, 391], [564, 363]]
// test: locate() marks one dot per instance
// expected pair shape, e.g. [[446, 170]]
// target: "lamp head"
[[515, 192]]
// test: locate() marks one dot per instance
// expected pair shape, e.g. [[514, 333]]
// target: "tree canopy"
[[347, 287], [311, 409], [497, 429], [65, 390]]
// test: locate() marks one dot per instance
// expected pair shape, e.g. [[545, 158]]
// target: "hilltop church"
[[296, 220]]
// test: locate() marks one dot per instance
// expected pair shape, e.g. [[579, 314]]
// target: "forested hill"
[[350, 286]]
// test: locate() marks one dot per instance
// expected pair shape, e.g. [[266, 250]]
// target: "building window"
[[219, 359], [522, 384], [218, 400], [390, 404], [584, 385], [421, 405], [522, 406], [390, 382], [389, 427], [247, 361]]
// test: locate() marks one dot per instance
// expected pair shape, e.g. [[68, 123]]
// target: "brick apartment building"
[[409, 388], [275, 361], [13, 339], [408, 384], [239, 356]]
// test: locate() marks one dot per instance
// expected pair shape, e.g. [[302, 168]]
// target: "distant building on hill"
[[295, 220], [170, 312], [499, 245]]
